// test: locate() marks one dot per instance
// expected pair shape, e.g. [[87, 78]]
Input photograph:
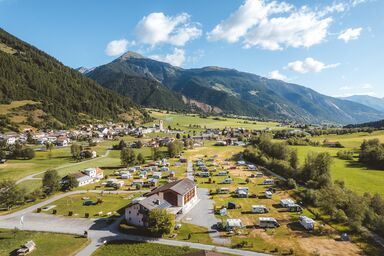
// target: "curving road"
[[32, 176], [99, 230]]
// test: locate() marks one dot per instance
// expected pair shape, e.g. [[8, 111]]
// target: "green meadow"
[[182, 121], [140, 249], [355, 175], [47, 244]]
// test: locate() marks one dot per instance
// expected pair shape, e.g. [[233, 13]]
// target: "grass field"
[[141, 249], [111, 203], [353, 140], [355, 175], [198, 234], [17, 169], [47, 244], [182, 121]]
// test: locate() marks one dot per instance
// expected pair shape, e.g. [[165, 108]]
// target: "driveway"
[[203, 215], [190, 170], [32, 176]]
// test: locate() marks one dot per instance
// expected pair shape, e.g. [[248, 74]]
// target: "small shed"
[[26, 248]]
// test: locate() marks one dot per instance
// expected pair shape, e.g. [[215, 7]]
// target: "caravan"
[[268, 222], [307, 223], [268, 182], [259, 209]]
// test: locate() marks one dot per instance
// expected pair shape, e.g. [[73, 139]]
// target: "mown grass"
[[141, 249], [191, 233], [47, 244], [113, 203], [17, 169], [182, 121], [355, 175]]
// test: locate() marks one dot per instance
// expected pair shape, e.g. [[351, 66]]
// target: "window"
[[188, 196]]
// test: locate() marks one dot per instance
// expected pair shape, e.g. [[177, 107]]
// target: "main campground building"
[[176, 197]]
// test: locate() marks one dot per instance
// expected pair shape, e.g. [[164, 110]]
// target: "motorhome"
[[268, 194], [227, 181], [307, 223], [268, 222], [223, 191], [268, 182], [259, 209]]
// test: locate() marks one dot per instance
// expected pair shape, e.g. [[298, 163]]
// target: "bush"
[[291, 183], [340, 216], [160, 222], [345, 155]]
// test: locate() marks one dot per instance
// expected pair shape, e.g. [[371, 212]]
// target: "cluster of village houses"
[[96, 133]]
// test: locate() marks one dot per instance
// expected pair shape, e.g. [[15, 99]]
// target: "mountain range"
[[370, 101], [154, 83], [37, 89]]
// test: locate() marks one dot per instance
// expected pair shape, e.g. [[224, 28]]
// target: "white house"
[[176, 197], [81, 178], [95, 173]]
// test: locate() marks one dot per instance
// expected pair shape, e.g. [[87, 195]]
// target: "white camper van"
[[268, 222], [259, 209]]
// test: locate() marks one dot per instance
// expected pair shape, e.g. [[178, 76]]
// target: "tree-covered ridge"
[[66, 96], [377, 124]]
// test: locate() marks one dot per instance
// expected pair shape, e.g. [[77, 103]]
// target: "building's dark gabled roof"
[[154, 201], [179, 186]]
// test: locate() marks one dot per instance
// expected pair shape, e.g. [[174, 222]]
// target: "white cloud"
[[195, 56], [247, 16], [357, 2], [176, 58], [345, 88], [273, 26], [175, 30], [350, 34], [116, 47], [348, 94], [334, 8], [275, 74], [309, 65], [367, 86]]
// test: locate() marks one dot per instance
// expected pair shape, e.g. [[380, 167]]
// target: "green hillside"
[[62, 96]]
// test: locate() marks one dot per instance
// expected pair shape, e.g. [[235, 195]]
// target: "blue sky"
[[332, 46]]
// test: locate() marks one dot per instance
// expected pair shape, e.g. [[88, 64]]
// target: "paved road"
[[190, 170], [98, 229], [203, 215], [32, 176], [57, 197]]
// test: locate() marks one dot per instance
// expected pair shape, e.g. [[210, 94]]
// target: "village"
[[192, 184]]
